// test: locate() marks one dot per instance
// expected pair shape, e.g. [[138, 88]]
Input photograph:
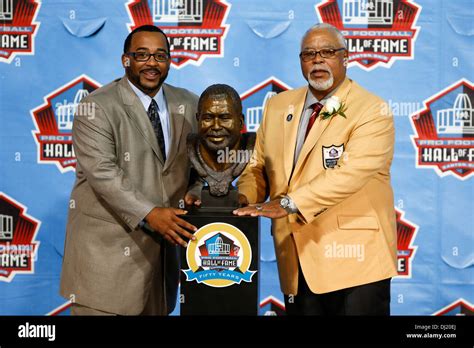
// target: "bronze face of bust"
[[219, 126], [220, 122]]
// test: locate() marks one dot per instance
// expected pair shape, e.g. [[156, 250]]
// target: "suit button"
[[165, 173]]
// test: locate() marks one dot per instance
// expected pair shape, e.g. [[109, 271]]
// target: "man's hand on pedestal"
[[166, 222], [271, 210]]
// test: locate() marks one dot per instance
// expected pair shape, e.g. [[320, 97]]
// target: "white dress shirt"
[[162, 111]]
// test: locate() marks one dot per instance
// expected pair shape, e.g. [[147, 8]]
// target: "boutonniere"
[[334, 107]]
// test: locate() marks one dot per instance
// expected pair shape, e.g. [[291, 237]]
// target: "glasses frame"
[[133, 54], [316, 53]]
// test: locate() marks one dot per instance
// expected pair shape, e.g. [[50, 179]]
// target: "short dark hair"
[[150, 28], [221, 89]]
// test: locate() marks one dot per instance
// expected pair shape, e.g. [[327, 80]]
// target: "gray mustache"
[[320, 69]]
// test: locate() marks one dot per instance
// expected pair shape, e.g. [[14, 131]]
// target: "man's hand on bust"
[[191, 199], [166, 222]]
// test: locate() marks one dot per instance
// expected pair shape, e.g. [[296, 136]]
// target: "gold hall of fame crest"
[[219, 257]]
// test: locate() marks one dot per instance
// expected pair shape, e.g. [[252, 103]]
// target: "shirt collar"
[[146, 99]]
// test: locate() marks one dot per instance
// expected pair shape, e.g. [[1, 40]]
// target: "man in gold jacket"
[[323, 155]]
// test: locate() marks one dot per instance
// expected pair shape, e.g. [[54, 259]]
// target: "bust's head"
[[220, 118]]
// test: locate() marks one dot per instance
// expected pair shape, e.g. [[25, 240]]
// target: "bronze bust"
[[219, 151]]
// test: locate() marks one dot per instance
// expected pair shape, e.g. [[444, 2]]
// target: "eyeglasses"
[[306, 56], [145, 56]]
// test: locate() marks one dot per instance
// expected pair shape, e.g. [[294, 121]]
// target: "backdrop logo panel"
[[254, 100], [444, 129], [53, 121], [196, 29], [377, 32], [220, 256], [18, 245], [406, 234], [17, 28], [271, 306], [458, 307]]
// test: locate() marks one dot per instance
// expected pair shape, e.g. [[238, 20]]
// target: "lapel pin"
[[289, 117]]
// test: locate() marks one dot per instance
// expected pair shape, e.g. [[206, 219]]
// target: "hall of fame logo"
[[271, 306], [444, 131], [406, 234], [331, 155], [18, 245], [18, 28], [220, 256], [460, 307], [377, 32], [254, 100], [196, 29], [54, 118]]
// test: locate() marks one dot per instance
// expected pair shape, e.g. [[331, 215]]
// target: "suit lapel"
[[176, 111], [290, 129], [135, 111], [321, 125]]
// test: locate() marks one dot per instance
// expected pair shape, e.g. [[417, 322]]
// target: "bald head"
[[327, 27]]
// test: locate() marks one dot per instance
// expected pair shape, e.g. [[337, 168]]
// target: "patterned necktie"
[[314, 115], [156, 123]]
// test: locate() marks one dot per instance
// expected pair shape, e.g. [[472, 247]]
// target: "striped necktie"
[[314, 115], [154, 117]]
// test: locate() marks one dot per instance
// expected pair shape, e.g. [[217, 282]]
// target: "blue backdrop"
[[417, 55]]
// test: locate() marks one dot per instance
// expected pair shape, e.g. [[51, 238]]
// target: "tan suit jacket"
[[109, 263], [345, 232]]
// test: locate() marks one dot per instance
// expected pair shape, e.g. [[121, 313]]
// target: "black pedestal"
[[222, 275]]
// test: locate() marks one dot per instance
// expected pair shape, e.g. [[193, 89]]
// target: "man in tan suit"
[[132, 168], [323, 155]]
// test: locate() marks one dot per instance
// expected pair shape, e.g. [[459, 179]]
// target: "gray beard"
[[321, 85]]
